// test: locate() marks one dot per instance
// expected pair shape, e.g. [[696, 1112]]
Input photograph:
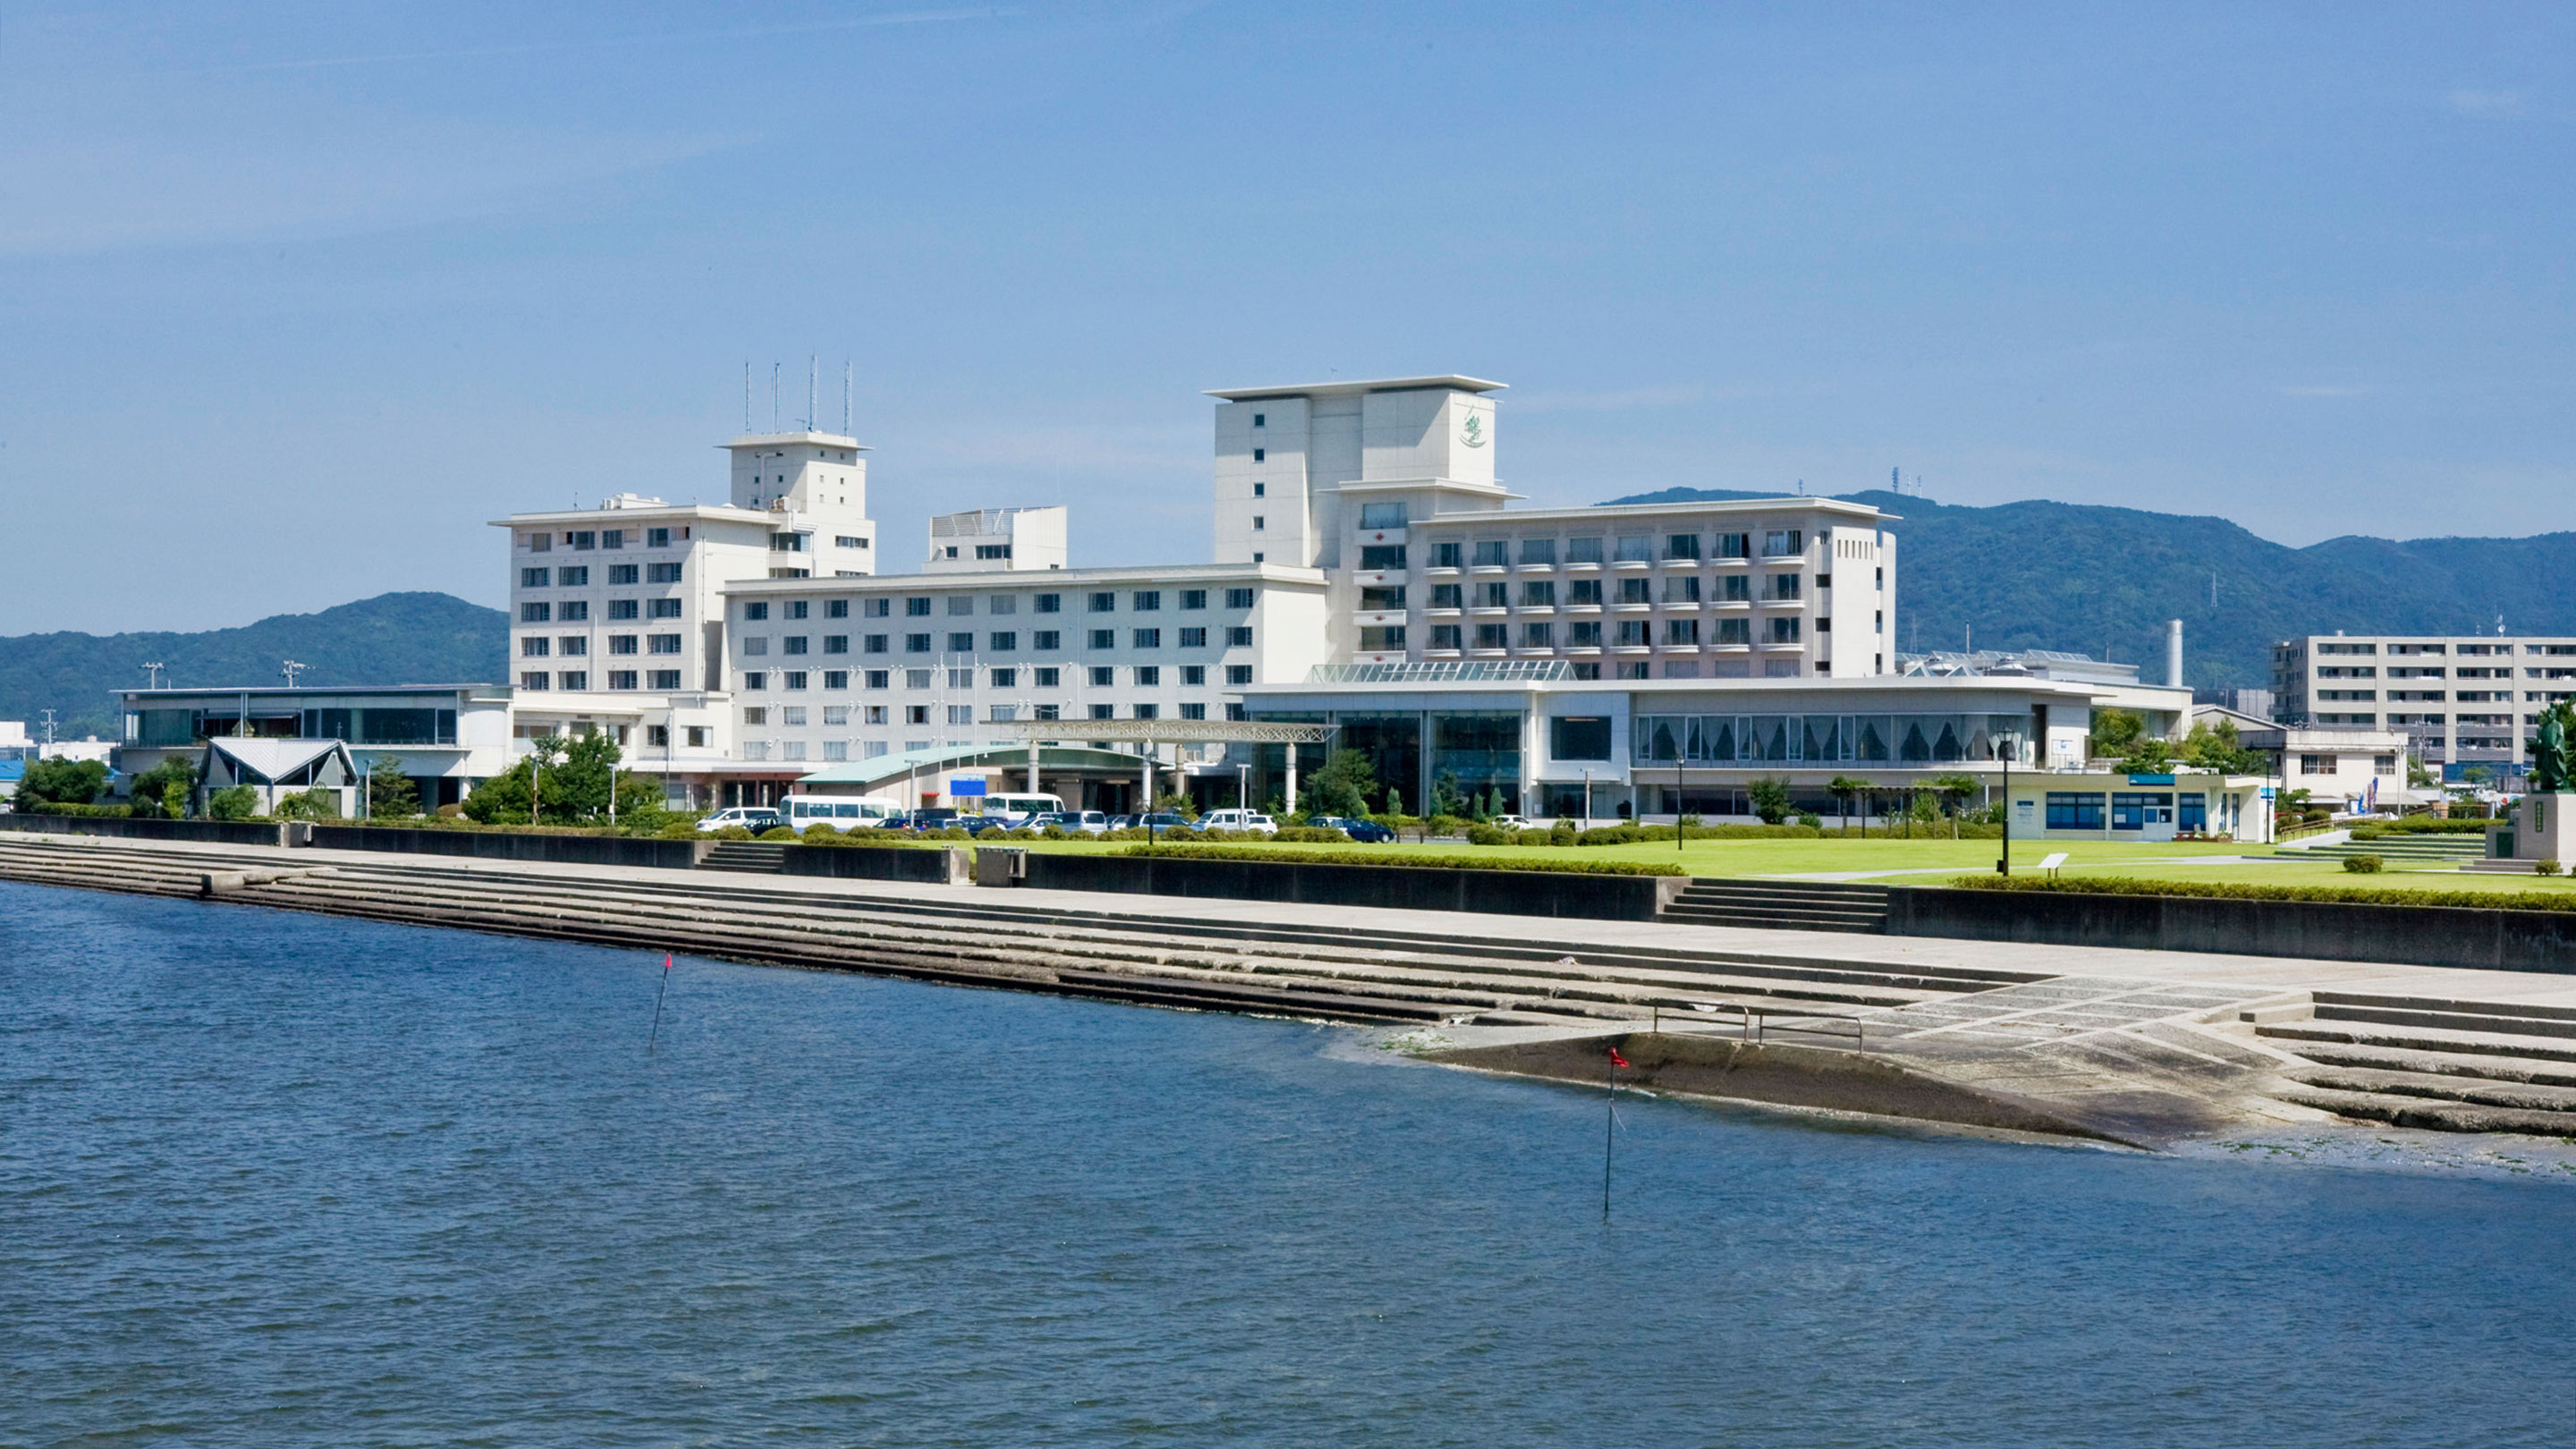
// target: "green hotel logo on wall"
[[1473, 434]]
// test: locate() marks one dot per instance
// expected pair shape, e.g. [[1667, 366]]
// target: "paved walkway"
[[2231, 977]]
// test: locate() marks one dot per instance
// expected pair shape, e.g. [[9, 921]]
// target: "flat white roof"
[[1345, 389], [780, 440], [610, 517], [985, 581]]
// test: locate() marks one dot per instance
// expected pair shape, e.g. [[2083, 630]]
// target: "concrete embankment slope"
[[2138, 1046]]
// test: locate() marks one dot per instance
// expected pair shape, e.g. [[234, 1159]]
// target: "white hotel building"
[[1368, 571]]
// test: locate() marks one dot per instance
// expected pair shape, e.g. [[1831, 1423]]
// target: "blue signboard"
[[2151, 779], [960, 785]]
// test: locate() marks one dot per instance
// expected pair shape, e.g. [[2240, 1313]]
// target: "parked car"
[[1367, 832], [1252, 821], [1162, 820], [1086, 822], [939, 819], [1122, 822], [754, 818], [1508, 822]]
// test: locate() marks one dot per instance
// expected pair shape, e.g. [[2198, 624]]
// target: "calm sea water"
[[272, 1179]]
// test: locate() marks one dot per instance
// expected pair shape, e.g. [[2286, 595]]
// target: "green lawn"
[[1755, 857]]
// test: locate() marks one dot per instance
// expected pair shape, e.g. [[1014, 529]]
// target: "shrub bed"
[[1549, 864], [2419, 825], [2120, 885]]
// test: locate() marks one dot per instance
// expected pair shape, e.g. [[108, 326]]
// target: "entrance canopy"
[[1168, 731], [861, 777]]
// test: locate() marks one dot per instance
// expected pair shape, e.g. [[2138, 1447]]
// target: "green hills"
[[412, 638], [2091, 579]]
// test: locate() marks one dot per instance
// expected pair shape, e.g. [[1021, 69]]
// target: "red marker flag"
[[1617, 1060], [666, 960]]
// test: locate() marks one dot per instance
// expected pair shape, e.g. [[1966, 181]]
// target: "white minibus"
[[839, 812]]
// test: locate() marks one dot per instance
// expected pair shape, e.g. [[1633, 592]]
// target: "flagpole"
[[665, 991]]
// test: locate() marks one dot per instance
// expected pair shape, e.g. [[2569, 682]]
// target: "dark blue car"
[[1367, 832]]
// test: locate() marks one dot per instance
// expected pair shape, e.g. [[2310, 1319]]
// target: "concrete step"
[[2449, 1015], [2476, 1091], [2393, 1059], [2422, 1039], [753, 857], [1767, 887], [2429, 1115]]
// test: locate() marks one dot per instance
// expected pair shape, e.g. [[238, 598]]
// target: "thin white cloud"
[[910, 17], [2487, 103]]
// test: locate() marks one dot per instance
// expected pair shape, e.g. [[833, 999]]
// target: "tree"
[[60, 781], [1342, 786], [2221, 749], [1953, 791], [2148, 755], [1445, 798], [233, 802], [500, 800], [390, 793], [319, 803], [1843, 788], [150, 790], [2115, 730], [1394, 801], [1770, 797]]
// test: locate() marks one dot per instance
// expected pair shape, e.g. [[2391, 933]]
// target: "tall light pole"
[[290, 668], [152, 671], [2010, 745]]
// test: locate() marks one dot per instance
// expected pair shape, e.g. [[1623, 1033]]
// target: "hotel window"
[[755, 611], [1583, 634], [1005, 678], [916, 679], [1381, 597], [873, 643], [756, 645], [1587, 671], [1632, 669], [1050, 603], [874, 714], [1448, 596], [575, 645], [1636, 548], [1046, 711], [876, 608], [918, 714], [961, 714], [836, 679], [1260, 454], [1583, 550], [622, 643], [533, 679], [622, 609], [533, 578], [540, 542], [1636, 591], [1238, 674], [1194, 711], [793, 644], [1735, 545], [535, 646], [1444, 636], [798, 609], [1782, 631], [1149, 676], [1680, 588], [1259, 523], [657, 538], [1682, 631], [1049, 677], [663, 609], [1260, 490], [1238, 598], [755, 681], [1380, 556], [1147, 601], [1103, 711], [575, 611], [916, 608], [795, 679], [1734, 631], [835, 750], [793, 714], [1541, 593], [1046, 640], [1102, 676], [1148, 711], [1388, 637], [916, 643], [1493, 551], [1239, 636], [662, 643], [662, 573], [1583, 593], [621, 679], [1490, 636], [573, 578], [1780, 586], [1681, 546], [961, 679], [665, 679], [1538, 636], [536, 613], [1783, 543], [1381, 515], [961, 642], [1104, 602], [1538, 551], [1735, 589], [1448, 555], [836, 608], [1632, 633], [961, 604], [582, 540], [1494, 595], [1005, 641], [1104, 638], [836, 643], [1193, 674], [878, 679], [1193, 598]]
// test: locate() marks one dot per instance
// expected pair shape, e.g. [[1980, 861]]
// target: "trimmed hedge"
[[1544, 864], [67, 807], [2121, 885]]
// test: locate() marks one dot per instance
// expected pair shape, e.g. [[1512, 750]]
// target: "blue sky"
[[295, 297]]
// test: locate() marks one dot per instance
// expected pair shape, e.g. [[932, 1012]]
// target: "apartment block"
[[2458, 701]]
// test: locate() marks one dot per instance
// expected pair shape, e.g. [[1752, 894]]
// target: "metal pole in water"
[[665, 990]]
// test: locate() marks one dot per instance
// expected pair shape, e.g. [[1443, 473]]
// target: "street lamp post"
[[2011, 746]]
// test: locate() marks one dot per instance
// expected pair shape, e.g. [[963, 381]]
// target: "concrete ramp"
[[1788, 1076]]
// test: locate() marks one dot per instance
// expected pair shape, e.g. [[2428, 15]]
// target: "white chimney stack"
[[2173, 652]]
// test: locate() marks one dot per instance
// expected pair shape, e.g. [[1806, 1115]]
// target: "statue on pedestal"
[[2549, 753]]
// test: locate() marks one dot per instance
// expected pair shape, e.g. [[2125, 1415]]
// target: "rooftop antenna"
[[1895, 481], [49, 729], [153, 669], [746, 394], [773, 397], [813, 378], [845, 401], [289, 669]]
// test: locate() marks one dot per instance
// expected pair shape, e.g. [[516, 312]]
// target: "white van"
[[1251, 820], [839, 812], [1015, 810]]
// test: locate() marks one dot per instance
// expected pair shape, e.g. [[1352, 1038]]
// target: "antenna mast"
[[746, 394], [845, 402], [773, 397], [813, 375]]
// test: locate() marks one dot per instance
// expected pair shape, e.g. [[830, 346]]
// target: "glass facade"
[[1903, 739]]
